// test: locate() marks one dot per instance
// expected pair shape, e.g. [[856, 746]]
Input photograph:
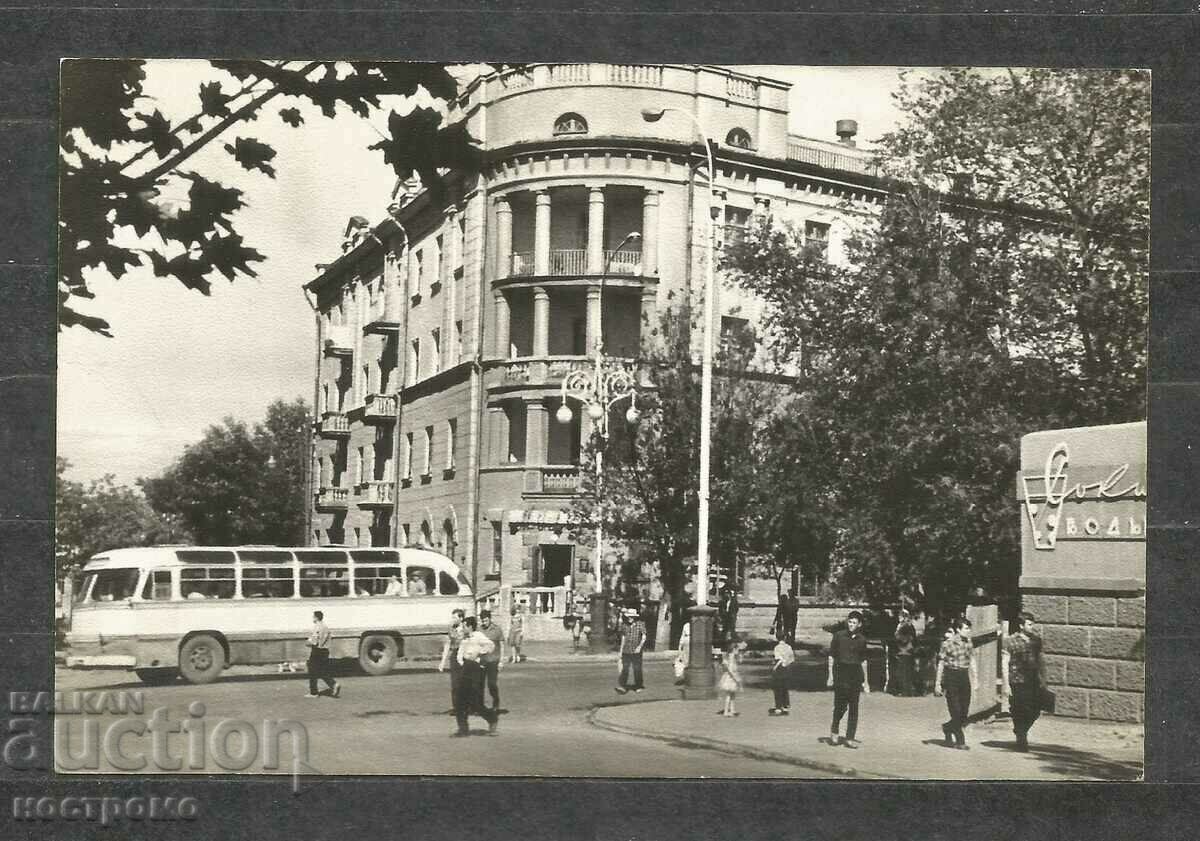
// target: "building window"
[[436, 350], [414, 363], [360, 467], [435, 284], [451, 435], [816, 239], [497, 548], [737, 336], [458, 342], [418, 275], [738, 138], [366, 380], [404, 533], [570, 123], [357, 536], [461, 256], [408, 457], [428, 471], [737, 219]]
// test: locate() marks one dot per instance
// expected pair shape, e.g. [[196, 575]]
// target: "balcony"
[[379, 408], [551, 480], [809, 152], [333, 499], [334, 425], [339, 342], [533, 372], [566, 262], [375, 494]]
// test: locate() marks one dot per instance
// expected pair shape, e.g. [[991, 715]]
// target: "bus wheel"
[[201, 659], [377, 654], [156, 677]]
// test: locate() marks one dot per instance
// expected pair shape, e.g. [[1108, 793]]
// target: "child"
[[731, 680], [516, 633], [781, 672]]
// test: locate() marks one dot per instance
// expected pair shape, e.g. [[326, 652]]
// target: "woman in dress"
[[730, 681], [516, 633]]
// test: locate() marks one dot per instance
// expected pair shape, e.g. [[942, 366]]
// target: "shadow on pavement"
[[1060, 759]]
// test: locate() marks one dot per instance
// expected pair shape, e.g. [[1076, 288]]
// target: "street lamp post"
[[699, 678], [599, 390]]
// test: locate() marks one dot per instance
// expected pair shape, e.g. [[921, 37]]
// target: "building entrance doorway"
[[556, 564]]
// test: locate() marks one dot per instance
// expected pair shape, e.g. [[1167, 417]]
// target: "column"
[[536, 432], [503, 237], [650, 233], [594, 319], [541, 234], [595, 233], [497, 435], [541, 322], [649, 316], [502, 338]]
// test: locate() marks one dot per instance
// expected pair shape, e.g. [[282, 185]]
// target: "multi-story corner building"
[[444, 331]]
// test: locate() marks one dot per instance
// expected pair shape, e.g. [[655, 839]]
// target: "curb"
[[729, 748]]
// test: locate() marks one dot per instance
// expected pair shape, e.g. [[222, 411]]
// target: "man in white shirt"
[[470, 684], [781, 672], [318, 658]]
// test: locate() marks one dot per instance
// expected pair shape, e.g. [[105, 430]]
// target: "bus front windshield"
[[110, 585]]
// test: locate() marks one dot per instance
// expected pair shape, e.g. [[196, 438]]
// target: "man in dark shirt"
[[958, 674], [785, 617], [905, 642], [847, 676], [1024, 676], [491, 662], [633, 640]]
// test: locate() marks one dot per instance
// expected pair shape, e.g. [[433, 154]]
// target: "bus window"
[[420, 581], [204, 556], [158, 586], [206, 583], [378, 581], [113, 585], [449, 587], [267, 583], [321, 556], [324, 582], [264, 556]]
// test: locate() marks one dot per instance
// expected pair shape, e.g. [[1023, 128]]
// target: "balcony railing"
[[334, 425], [561, 74], [333, 499], [338, 341], [626, 261], [376, 493], [574, 261], [739, 88], [379, 408], [809, 154], [636, 74], [560, 480]]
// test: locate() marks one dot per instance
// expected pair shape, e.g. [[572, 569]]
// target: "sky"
[[180, 362]]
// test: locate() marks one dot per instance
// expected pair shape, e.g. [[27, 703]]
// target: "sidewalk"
[[901, 738]]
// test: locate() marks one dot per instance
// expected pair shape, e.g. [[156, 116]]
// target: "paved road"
[[397, 724]]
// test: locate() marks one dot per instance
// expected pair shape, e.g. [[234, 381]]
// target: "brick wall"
[[1093, 646]]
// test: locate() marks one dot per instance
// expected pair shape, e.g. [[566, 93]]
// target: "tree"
[[1001, 289], [102, 515], [239, 485], [119, 154], [648, 492]]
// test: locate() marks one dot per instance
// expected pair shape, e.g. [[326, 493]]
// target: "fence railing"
[[626, 261], [333, 422], [560, 479], [568, 261], [379, 493], [567, 73], [829, 159], [522, 264]]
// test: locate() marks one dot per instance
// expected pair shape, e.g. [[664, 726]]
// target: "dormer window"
[[738, 138], [570, 124]]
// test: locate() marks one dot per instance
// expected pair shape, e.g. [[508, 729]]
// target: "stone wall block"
[[1092, 610], [1099, 674], [1046, 609], [1131, 677], [1114, 706], [1070, 702], [1116, 643], [1131, 613], [1062, 639]]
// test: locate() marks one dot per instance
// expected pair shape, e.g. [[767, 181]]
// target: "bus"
[[194, 611]]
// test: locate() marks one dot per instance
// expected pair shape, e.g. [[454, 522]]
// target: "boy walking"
[[847, 676], [957, 674], [1024, 676], [318, 658], [781, 673]]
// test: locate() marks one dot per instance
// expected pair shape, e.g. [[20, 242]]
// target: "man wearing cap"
[[633, 639]]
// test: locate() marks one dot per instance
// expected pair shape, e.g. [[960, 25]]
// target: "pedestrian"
[[785, 617], [957, 675], [516, 631], [727, 610], [730, 681], [492, 662], [684, 653], [781, 674], [633, 640], [848, 677], [905, 642], [318, 658], [450, 655], [576, 630], [1024, 677], [474, 646]]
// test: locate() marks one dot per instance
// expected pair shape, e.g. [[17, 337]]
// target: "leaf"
[[213, 101], [252, 154], [291, 116], [157, 132]]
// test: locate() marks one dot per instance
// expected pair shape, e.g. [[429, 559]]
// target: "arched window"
[[570, 123], [739, 138]]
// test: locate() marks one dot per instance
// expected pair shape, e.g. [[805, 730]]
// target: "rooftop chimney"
[[846, 129]]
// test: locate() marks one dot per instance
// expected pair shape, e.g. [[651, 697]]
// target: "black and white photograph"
[[593, 420]]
